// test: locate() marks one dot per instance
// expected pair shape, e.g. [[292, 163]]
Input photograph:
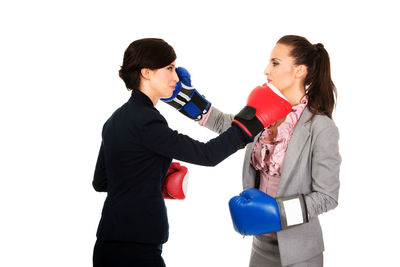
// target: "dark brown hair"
[[320, 89], [149, 53]]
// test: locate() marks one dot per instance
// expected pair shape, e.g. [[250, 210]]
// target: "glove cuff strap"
[[247, 120], [293, 211], [196, 107]]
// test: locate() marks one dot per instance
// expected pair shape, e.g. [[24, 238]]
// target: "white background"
[[59, 82]]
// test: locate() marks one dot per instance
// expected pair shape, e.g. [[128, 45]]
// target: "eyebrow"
[[275, 59]]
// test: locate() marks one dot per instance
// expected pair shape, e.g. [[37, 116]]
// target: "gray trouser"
[[265, 253]]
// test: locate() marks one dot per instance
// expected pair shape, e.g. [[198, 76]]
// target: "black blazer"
[[136, 151]]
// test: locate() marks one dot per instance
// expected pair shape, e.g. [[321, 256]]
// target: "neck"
[[294, 95], [145, 90]]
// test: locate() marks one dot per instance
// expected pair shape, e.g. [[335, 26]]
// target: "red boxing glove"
[[175, 183], [265, 105]]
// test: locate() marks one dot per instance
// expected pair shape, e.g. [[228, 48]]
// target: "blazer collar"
[[140, 97]]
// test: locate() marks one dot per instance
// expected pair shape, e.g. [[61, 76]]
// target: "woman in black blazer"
[[136, 151]]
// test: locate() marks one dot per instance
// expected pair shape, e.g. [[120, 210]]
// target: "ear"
[[145, 72], [301, 71]]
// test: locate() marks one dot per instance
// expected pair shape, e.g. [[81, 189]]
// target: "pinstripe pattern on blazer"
[[311, 167]]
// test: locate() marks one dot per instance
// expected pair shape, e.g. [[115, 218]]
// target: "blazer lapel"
[[248, 170], [296, 145]]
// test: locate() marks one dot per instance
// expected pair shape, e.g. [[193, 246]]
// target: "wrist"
[[244, 137], [205, 117]]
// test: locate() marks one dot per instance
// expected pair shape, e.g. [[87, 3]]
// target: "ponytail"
[[320, 89]]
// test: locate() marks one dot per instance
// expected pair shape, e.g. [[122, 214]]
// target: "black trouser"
[[124, 254]]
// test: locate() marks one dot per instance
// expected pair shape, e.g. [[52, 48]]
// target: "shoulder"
[[143, 114], [319, 123], [133, 115]]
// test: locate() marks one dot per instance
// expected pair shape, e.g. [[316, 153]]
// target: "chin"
[[168, 95]]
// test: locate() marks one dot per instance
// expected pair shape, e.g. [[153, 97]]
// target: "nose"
[[175, 77], [267, 70]]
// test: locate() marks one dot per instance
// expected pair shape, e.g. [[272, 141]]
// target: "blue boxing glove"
[[255, 213], [186, 98]]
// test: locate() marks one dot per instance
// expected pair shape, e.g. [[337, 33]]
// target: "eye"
[[275, 63]]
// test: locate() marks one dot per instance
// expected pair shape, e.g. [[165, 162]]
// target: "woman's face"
[[162, 81], [281, 70]]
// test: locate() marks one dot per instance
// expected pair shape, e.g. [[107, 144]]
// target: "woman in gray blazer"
[[297, 155]]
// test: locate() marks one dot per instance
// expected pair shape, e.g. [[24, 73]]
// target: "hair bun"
[[319, 46]]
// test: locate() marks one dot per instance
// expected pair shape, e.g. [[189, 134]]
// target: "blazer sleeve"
[[100, 178], [218, 121], [325, 167], [159, 138]]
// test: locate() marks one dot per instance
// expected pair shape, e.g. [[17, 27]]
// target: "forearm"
[[325, 168], [318, 203], [100, 186], [215, 150], [99, 182], [217, 121], [159, 138]]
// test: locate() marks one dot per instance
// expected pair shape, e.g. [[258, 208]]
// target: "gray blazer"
[[311, 167]]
